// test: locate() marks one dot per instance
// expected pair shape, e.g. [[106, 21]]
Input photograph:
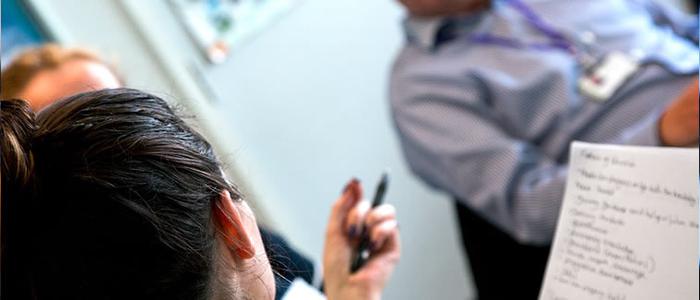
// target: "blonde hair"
[[34, 60]]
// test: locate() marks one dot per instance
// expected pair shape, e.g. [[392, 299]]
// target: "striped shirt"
[[491, 125]]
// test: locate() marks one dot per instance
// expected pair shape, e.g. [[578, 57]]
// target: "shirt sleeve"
[[665, 14], [644, 133], [454, 142]]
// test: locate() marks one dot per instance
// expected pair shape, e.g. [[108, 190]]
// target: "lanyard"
[[557, 40]]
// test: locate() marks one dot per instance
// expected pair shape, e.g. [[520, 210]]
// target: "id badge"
[[608, 76]]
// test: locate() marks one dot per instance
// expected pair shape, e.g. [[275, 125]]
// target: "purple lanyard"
[[557, 41]]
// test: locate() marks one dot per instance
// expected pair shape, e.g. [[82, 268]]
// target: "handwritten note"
[[628, 227]]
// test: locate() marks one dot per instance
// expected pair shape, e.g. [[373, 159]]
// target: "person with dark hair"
[[50, 72], [16, 169], [124, 200], [17, 128]]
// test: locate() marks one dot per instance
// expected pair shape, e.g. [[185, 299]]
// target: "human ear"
[[229, 225]]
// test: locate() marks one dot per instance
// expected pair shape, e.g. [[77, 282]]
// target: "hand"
[[348, 216], [679, 124]]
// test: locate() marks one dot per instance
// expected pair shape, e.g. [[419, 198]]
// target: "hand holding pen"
[[350, 217], [366, 245]]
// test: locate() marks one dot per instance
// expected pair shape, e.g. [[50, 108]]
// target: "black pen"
[[362, 252]]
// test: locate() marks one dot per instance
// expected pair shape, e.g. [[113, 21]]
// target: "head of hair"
[[17, 126], [122, 199], [16, 169], [27, 64]]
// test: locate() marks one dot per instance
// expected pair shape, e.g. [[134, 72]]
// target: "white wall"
[[307, 101], [301, 109]]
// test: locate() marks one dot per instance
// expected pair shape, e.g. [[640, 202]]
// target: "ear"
[[229, 224]]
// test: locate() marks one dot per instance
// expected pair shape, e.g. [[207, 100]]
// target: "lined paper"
[[628, 227]]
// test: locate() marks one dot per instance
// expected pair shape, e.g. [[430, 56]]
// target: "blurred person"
[[50, 72], [123, 200], [488, 95]]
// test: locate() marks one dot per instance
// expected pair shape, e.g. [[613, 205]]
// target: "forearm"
[[510, 185], [666, 14]]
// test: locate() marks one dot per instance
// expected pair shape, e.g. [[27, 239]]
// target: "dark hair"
[[122, 203], [16, 168], [17, 125]]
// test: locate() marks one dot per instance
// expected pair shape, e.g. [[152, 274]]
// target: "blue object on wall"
[[19, 28]]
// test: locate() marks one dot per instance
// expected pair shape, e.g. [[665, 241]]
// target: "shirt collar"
[[422, 31]]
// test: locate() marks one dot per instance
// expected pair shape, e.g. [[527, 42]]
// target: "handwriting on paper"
[[628, 227]]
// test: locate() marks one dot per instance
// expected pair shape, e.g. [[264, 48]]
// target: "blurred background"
[[296, 108], [293, 95]]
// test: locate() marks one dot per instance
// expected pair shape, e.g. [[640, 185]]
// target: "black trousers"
[[502, 268]]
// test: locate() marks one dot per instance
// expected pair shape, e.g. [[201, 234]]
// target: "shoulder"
[[446, 73]]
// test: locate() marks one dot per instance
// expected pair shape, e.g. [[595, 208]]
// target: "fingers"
[[342, 206], [383, 236], [356, 219], [337, 250], [363, 216], [386, 250], [352, 217], [380, 213]]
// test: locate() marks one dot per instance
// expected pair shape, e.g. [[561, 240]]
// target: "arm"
[[457, 141], [663, 13], [454, 142], [675, 126], [382, 229]]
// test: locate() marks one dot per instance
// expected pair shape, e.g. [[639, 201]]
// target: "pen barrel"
[[362, 253], [379, 193], [359, 258], [379, 196]]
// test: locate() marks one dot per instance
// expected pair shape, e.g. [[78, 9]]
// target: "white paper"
[[628, 227], [300, 290]]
